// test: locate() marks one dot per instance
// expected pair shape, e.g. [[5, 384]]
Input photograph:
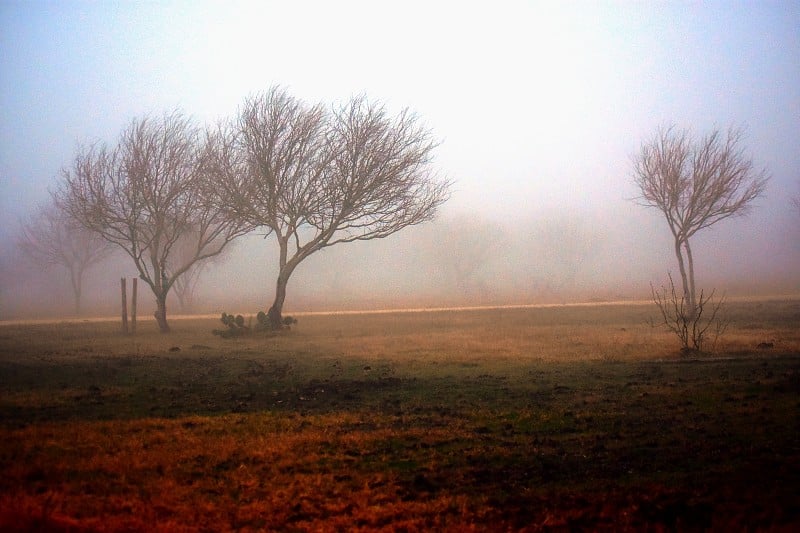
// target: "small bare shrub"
[[693, 329]]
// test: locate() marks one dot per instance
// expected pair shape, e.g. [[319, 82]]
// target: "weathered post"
[[124, 306], [133, 307]]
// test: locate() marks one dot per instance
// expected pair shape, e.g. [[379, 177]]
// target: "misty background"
[[539, 107]]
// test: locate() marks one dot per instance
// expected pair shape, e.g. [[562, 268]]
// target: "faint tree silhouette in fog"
[[151, 191], [796, 202], [472, 243], [51, 237], [185, 287], [696, 183], [562, 248], [315, 178]]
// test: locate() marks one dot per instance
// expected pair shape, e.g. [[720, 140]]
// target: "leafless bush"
[[693, 329]]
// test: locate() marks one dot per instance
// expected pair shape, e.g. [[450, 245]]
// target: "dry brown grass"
[[570, 417], [553, 333]]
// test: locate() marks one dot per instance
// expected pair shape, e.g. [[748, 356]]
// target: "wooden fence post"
[[124, 306], [133, 307]]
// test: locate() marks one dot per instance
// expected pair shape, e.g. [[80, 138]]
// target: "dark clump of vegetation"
[[237, 327]]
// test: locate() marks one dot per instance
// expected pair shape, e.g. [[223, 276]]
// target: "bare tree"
[[154, 189], [696, 183], [314, 178], [51, 237]]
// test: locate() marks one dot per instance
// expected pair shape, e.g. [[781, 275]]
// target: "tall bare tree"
[[152, 190], [51, 237], [315, 178], [696, 183]]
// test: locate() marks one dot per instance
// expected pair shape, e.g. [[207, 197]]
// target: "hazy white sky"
[[539, 105]]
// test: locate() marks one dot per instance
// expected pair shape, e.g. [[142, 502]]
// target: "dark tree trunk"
[[287, 266], [275, 313], [161, 313]]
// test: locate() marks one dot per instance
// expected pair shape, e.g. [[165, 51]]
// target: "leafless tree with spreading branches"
[[696, 183], [315, 178], [51, 237], [157, 187]]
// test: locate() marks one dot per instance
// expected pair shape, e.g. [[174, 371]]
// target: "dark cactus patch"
[[236, 326]]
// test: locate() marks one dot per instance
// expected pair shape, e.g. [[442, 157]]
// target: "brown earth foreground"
[[508, 419]]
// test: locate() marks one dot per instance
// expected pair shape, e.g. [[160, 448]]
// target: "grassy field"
[[512, 419]]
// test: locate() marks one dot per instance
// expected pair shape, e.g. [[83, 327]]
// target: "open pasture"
[[503, 419]]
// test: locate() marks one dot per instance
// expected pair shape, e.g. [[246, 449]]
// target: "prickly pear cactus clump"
[[236, 326]]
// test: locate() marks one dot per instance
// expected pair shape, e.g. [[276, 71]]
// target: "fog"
[[539, 107], [458, 260]]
